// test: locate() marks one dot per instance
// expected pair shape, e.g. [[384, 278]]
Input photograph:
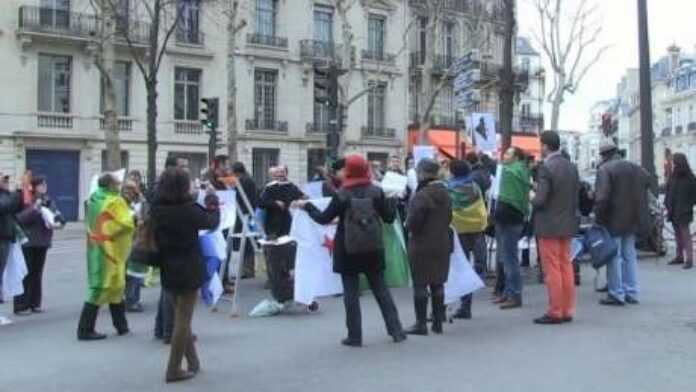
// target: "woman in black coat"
[[680, 200], [430, 246], [357, 184], [176, 221]]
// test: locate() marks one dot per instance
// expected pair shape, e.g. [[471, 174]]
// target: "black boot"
[[439, 310], [577, 274], [421, 326], [88, 319], [118, 317], [464, 311]]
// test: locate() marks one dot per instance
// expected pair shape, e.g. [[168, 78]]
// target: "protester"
[[621, 193], [135, 272], [177, 220], [276, 199], [470, 219], [555, 224], [377, 169], [110, 228], [10, 204], [334, 176], [395, 165], [479, 174], [363, 252], [38, 220], [512, 206], [679, 201], [430, 246], [246, 184]]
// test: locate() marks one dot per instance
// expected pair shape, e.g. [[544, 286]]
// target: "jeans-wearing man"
[[622, 274], [507, 237]]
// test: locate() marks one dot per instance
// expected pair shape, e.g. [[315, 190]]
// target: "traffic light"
[[210, 112], [214, 141]]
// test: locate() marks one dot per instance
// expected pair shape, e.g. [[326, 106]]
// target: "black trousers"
[[31, 298], [351, 301], [280, 261]]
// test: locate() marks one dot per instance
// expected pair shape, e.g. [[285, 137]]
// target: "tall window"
[[266, 17], [316, 158], [122, 15], [323, 24], [422, 34], [376, 33], [55, 13], [265, 98], [445, 105], [262, 160], [122, 75], [525, 63], [188, 30], [376, 106], [54, 83], [187, 86], [321, 114], [448, 39]]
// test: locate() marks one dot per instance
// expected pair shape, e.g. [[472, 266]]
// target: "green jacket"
[[515, 185]]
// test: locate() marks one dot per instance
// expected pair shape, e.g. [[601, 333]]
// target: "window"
[[376, 106], [525, 63], [316, 157], [54, 83], [262, 160], [265, 98], [321, 114], [376, 33], [526, 110], [55, 13], [445, 106], [266, 17], [448, 40], [323, 24], [188, 30], [187, 93], [122, 15], [422, 34], [122, 86], [124, 160]]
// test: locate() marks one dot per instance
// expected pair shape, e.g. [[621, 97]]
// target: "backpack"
[[600, 245], [362, 226], [469, 212]]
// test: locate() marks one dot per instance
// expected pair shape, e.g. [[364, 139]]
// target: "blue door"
[[62, 172]]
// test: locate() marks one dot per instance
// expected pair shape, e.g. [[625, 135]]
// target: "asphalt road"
[[650, 347]]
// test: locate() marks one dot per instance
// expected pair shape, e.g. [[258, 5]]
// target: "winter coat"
[[680, 199], [621, 196], [481, 177], [430, 241], [279, 220], [176, 229], [34, 226], [10, 204], [556, 199], [342, 262]]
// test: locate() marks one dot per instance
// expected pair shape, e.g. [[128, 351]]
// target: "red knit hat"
[[357, 172]]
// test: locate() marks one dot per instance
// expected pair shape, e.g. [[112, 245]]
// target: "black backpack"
[[362, 225]]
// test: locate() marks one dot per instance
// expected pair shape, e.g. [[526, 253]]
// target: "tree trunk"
[[556, 110], [232, 84], [107, 58], [507, 90], [427, 90], [151, 87]]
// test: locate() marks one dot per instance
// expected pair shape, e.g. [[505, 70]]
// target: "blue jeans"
[[622, 277], [133, 285], [507, 237]]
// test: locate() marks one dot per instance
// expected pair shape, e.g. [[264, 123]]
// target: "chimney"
[[674, 56]]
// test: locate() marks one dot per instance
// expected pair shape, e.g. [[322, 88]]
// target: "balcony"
[[57, 23], [378, 132], [692, 127], [54, 120], [495, 13], [678, 130], [259, 124], [531, 122], [441, 63], [188, 127], [267, 40], [666, 132], [193, 37], [378, 56], [320, 52], [124, 124], [315, 129]]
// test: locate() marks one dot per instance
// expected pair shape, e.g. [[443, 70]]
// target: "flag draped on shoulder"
[[110, 227]]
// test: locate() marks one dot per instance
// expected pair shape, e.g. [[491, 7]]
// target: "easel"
[[245, 235]]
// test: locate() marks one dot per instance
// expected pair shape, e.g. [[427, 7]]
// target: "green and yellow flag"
[[110, 227]]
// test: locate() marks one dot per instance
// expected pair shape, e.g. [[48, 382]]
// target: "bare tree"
[[571, 52], [104, 59], [507, 85], [235, 24]]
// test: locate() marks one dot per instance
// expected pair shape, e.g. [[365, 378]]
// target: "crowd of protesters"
[[476, 200]]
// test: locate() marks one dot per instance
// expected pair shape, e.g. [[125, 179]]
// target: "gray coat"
[[430, 243], [621, 196], [556, 200]]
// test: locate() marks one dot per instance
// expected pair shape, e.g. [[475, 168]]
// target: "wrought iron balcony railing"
[[190, 37], [378, 56], [267, 40], [441, 63], [379, 132], [315, 128], [259, 124]]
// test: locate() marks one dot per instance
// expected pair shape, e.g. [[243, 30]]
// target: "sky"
[[671, 21]]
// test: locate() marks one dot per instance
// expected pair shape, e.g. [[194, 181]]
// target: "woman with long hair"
[[38, 220], [680, 200], [176, 220]]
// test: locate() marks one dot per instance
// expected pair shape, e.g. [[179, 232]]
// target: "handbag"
[[145, 249]]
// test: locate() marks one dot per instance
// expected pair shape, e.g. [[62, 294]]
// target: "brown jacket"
[[430, 243], [556, 199]]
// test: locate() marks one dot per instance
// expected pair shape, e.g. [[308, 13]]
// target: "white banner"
[[15, 271], [483, 130], [462, 280]]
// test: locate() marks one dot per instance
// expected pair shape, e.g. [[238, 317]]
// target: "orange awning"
[[446, 142]]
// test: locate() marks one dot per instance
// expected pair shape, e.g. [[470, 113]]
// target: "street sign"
[[466, 80], [468, 61], [468, 98]]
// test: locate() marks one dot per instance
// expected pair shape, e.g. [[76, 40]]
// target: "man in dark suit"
[[247, 184], [555, 223]]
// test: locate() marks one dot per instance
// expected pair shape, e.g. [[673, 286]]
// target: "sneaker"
[[5, 321], [548, 320], [313, 307], [351, 342], [611, 301], [23, 312], [511, 304], [676, 261], [136, 308], [632, 300]]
